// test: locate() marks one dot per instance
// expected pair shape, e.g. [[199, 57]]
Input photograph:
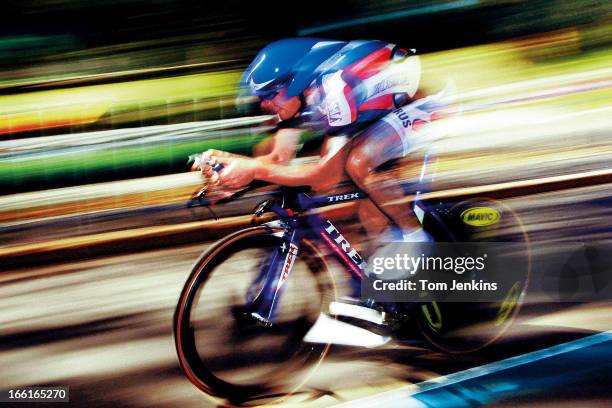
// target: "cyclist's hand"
[[237, 172], [207, 159]]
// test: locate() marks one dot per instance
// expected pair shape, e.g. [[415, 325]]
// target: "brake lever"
[[261, 208], [197, 199]]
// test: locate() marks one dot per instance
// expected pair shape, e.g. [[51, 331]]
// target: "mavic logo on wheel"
[[480, 216], [289, 260]]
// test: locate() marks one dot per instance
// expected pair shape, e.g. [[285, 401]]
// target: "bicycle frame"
[[268, 286], [276, 271]]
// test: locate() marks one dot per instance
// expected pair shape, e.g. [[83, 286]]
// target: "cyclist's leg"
[[377, 145], [373, 221]]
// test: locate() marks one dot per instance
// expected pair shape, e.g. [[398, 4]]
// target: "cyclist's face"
[[285, 106]]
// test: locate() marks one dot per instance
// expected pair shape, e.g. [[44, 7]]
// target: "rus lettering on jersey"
[[403, 116]]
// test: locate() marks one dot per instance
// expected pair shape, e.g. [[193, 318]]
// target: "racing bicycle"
[[245, 318]]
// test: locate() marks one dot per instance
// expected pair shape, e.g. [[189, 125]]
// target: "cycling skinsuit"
[[361, 83]]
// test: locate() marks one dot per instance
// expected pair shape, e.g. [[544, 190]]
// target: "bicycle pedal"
[[261, 320], [356, 311], [247, 320]]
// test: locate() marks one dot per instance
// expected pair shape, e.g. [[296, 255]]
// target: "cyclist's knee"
[[358, 166]]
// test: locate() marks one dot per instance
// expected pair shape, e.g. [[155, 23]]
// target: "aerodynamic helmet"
[[290, 63]]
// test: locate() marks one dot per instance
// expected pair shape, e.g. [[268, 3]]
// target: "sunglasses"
[[271, 93]]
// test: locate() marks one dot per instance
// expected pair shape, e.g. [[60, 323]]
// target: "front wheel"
[[233, 358]]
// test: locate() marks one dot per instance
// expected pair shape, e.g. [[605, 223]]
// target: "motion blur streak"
[[391, 16], [102, 103], [104, 327], [525, 140]]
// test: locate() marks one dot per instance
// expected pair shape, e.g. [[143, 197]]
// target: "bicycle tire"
[[191, 364], [499, 315]]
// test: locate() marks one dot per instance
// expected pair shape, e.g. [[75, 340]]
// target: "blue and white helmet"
[[290, 63]]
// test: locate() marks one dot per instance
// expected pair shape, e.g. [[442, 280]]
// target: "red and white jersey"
[[353, 88]]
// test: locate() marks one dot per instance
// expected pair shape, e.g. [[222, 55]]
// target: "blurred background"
[[101, 103]]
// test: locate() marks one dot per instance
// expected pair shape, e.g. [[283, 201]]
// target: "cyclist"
[[354, 93]]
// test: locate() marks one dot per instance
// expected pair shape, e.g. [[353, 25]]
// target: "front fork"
[[265, 292]]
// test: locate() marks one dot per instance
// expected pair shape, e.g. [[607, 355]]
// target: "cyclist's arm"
[[327, 171], [279, 149], [284, 146]]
